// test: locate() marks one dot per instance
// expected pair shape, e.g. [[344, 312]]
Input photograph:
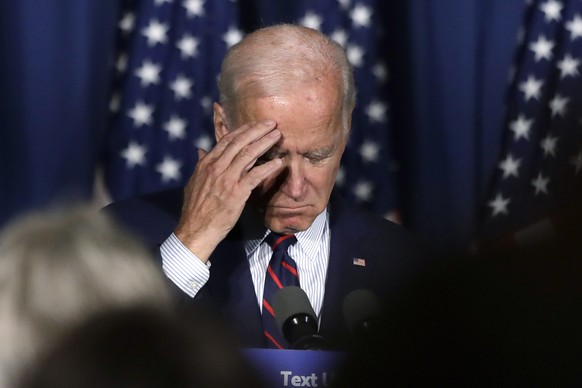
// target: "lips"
[[289, 209]]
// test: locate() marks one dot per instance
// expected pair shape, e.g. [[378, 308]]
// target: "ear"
[[220, 126]]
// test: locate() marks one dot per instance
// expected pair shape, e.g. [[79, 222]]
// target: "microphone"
[[362, 311], [296, 319]]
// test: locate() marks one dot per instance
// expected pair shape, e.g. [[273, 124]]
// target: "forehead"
[[308, 117]]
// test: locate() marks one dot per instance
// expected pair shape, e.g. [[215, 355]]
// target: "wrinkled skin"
[[282, 157]]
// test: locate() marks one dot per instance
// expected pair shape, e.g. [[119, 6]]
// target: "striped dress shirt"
[[311, 253]]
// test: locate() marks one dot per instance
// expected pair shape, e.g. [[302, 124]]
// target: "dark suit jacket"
[[392, 258]]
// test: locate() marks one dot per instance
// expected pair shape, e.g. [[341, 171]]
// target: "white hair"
[[58, 268]]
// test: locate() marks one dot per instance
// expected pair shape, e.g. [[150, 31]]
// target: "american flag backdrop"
[[368, 173], [168, 58], [537, 186]]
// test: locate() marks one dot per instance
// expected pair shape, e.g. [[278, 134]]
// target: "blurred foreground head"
[[58, 268], [145, 348]]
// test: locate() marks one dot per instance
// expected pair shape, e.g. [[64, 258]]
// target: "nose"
[[294, 183]]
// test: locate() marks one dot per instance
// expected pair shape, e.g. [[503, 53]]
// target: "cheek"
[[319, 181], [323, 179]]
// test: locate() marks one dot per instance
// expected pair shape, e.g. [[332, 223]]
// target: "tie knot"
[[279, 241]]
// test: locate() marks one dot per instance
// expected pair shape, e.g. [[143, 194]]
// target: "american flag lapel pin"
[[359, 262]]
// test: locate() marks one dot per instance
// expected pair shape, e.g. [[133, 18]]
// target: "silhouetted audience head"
[[145, 348], [61, 266], [501, 320]]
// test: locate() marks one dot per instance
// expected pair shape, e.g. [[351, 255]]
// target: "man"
[[287, 95]]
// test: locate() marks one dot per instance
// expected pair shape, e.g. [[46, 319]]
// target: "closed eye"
[[317, 159], [268, 156], [319, 156], [314, 157]]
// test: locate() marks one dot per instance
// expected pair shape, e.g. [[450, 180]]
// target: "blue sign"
[[296, 368]]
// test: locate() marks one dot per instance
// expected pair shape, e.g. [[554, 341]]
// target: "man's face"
[[312, 143]]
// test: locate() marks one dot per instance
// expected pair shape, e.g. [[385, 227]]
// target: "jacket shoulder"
[[152, 217]]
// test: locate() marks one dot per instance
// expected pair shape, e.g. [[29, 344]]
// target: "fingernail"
[[274, 133], [269, 122]]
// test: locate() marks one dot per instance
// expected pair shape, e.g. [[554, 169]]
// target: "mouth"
[[289, 208]]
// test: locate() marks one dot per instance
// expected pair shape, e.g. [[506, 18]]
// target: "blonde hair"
[[60, 267], [274, 59]]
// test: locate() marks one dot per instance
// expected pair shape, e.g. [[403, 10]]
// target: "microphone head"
[[360, 308], [296, 319], [291, 301]]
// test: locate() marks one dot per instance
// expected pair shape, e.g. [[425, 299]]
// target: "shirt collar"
[[255, 232]]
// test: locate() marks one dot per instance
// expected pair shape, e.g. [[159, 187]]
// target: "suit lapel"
[[231, 287], [347, 230]]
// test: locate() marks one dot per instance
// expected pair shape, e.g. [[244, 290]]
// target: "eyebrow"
[[317, 153], [321, 152]]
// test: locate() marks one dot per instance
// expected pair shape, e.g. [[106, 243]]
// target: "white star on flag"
[[575, 27], [549, 144], [568, 66], [380, 72], [542, 48], [169, 169], [121, 63], [176, 128], [552, 10], [355, 55], [363, 190], [361, 16], [194, 7], [311, 20], [376, 111], [340, 36], [188, 46], [164, 90], [141, 114], [149, 73], [510, 166], [521, 127], [127, 23], [232, 36], [134, 154], [531, 87], [499, 205], [182, 87], [204, 142], [370, 151], [558, 105], [540, 183], [344, 4], [156, 32]]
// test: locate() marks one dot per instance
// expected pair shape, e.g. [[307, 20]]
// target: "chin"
[[290, 220], [291, 224]]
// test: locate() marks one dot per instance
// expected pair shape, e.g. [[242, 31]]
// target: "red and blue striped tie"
[[281, 272]]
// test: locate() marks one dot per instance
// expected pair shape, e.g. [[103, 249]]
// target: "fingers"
[[246, 144], [201, 153], [221, 184], [259, 173]]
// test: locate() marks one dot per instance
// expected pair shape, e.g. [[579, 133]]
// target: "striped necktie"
[[281, 272]]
